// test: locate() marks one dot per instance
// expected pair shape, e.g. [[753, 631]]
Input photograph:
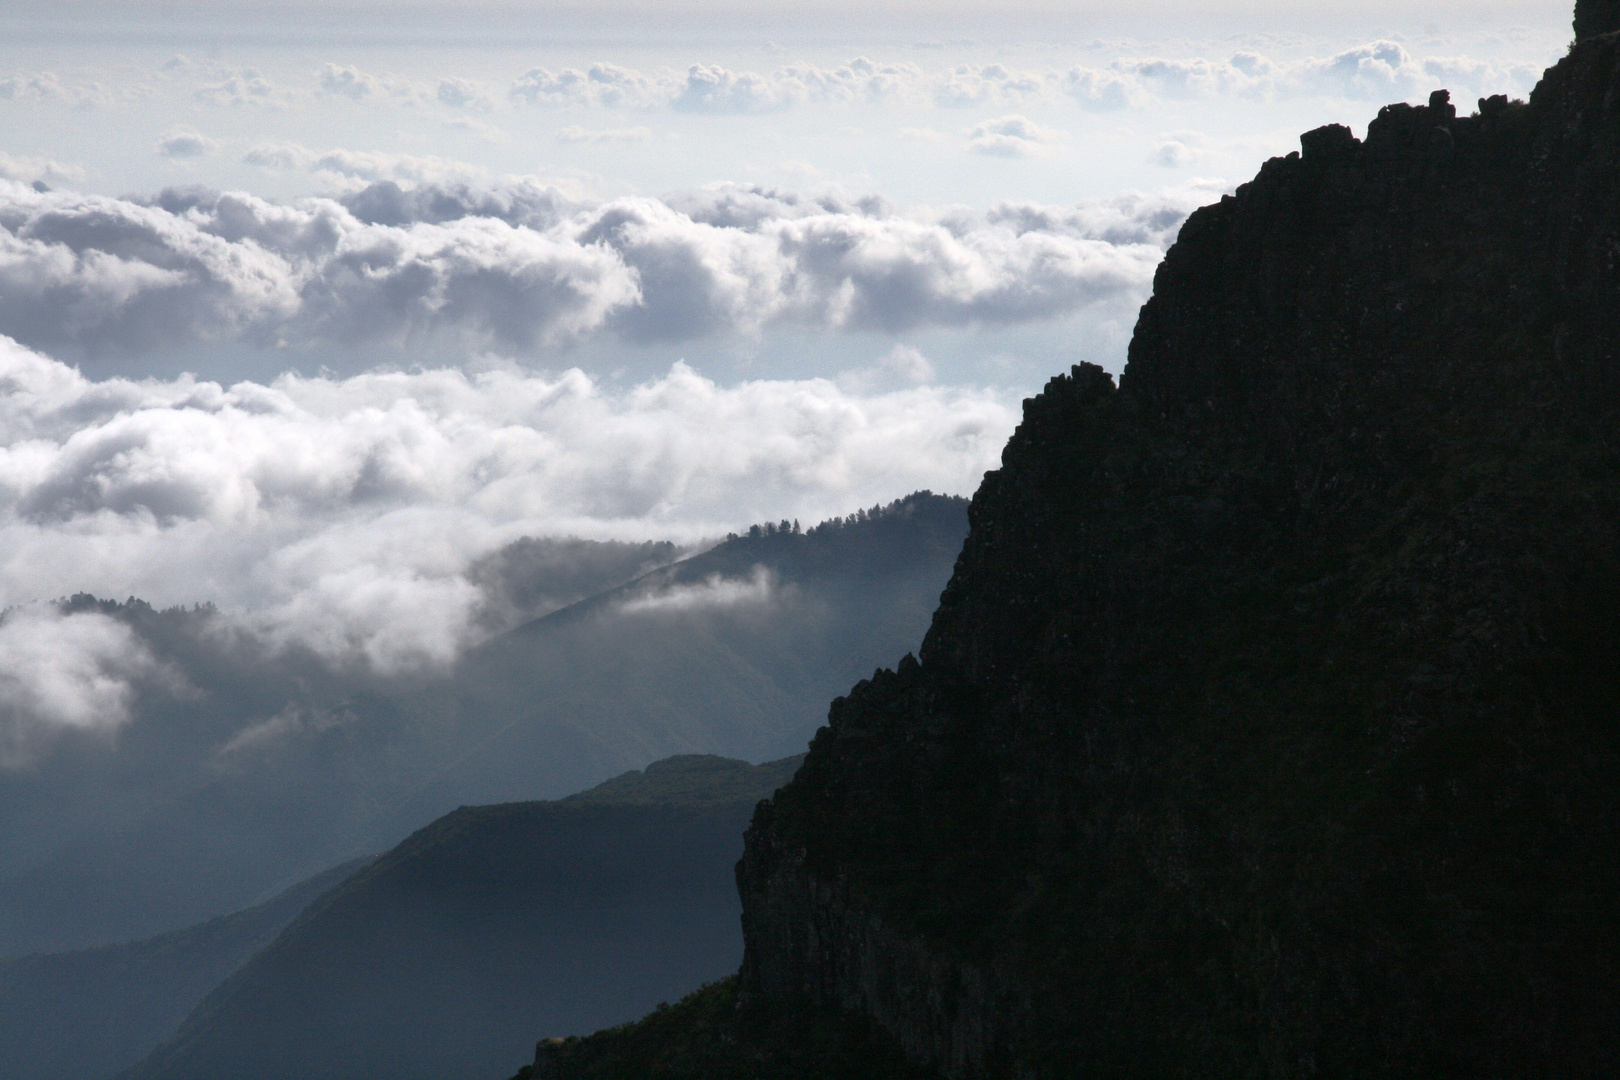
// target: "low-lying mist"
[[163, 765]]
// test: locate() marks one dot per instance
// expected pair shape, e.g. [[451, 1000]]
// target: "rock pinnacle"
[[1595, 17]]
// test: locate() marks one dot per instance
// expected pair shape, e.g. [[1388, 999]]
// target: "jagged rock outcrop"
[[1271, 722], [1594, 17]]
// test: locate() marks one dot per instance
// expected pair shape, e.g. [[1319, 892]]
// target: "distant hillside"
[[274, 764], [85, 1015], [448, 955], [735, 651]]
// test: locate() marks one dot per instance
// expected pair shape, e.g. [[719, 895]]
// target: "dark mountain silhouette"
[[1595, 17], [275, 764], [1270, 725], [85, 1015], [444, 956]]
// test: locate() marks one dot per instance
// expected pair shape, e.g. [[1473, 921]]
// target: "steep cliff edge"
[[1270, 725], [1594, 17], [1271, 722]]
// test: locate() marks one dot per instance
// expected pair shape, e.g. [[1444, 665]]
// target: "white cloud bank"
[[713, 592], [516, 266], [75, 672], [1376, 71], [1134, 75], [344, 514]]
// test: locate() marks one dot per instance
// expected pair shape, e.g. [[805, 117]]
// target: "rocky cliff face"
[[1594, 17], [1271, 722]]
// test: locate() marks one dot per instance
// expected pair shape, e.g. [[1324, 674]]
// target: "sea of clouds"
[[1377, 70], [346, 514], [346, 511], [515, 266]]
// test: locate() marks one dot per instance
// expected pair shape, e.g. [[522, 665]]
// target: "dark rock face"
[[1271, 722], [1594, 17]]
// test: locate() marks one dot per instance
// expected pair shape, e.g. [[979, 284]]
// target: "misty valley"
[[247, 773]]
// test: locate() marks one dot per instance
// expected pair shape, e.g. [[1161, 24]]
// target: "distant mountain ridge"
[[85, 1015], [443, 957], [864, 545], [734, 650]]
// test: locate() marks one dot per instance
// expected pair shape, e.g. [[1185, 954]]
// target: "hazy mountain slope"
[[273, 764], [1270, 725], [185, 814], [446, 955], [534, 576], [734, 651], [85, 1015]]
